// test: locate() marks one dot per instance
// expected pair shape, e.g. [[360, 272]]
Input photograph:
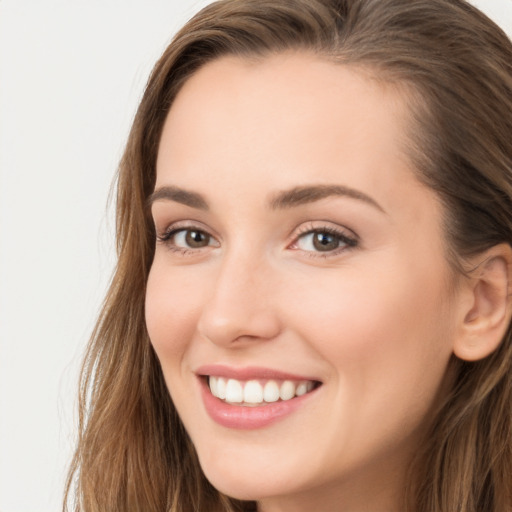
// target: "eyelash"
[[347, 241]]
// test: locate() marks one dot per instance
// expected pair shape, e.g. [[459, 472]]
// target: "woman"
[[311, 308]]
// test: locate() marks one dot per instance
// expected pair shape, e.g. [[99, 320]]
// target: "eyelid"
[[184, 224]]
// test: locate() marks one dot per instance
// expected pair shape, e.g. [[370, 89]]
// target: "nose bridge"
[[238, 306], [235, 283]]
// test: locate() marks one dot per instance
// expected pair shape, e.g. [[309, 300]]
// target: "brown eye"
[[194, 239], [325, 242], [188, 238]]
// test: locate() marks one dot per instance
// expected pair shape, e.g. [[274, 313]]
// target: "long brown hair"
[[455, 67]]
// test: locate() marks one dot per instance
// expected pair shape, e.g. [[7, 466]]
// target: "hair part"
[[455, 67]]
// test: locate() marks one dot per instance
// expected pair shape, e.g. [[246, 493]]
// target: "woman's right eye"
[[186, 239]]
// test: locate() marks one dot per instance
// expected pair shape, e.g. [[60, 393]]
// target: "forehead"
[[281, 118]]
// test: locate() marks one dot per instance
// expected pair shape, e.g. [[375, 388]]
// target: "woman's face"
[[300, 267]]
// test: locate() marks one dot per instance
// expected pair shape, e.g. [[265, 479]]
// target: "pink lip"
[[242, 417], [248, 373]]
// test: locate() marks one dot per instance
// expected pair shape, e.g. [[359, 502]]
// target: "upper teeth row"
[[253, 392]]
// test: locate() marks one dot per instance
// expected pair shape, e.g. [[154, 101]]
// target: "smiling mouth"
[[252, 393]]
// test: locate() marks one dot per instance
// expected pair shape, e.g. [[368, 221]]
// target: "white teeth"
[[234, 391], [302, 389], [221, 388], [254, 392], [271, 391], [212, 382], [287, 390]]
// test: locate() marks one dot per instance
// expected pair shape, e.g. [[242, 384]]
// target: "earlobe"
[[488, 311]]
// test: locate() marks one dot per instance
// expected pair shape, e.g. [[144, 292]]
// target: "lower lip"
[[245, 417]]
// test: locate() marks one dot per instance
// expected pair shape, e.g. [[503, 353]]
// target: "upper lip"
[[249, 373]]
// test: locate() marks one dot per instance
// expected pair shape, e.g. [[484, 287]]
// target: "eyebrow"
[[179, 195], [311, 193], [286, 199]]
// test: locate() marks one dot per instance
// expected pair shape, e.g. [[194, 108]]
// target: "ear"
[[486, 308]]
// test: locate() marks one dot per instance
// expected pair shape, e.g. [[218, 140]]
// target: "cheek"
[[384, 333], [172, 309], [387, 348]]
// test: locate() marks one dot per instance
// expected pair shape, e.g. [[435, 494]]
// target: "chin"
[[247, 482]]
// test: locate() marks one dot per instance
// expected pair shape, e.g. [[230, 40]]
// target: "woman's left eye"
[[324, 241]]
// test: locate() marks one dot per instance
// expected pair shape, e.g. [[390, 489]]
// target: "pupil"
[[325, 242], [197, 239]]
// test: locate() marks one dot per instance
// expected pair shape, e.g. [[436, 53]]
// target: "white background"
[[71, 74]]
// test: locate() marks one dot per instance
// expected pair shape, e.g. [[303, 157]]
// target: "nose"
[[239, 308]]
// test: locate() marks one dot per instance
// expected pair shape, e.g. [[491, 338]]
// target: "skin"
[[374, 322]]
